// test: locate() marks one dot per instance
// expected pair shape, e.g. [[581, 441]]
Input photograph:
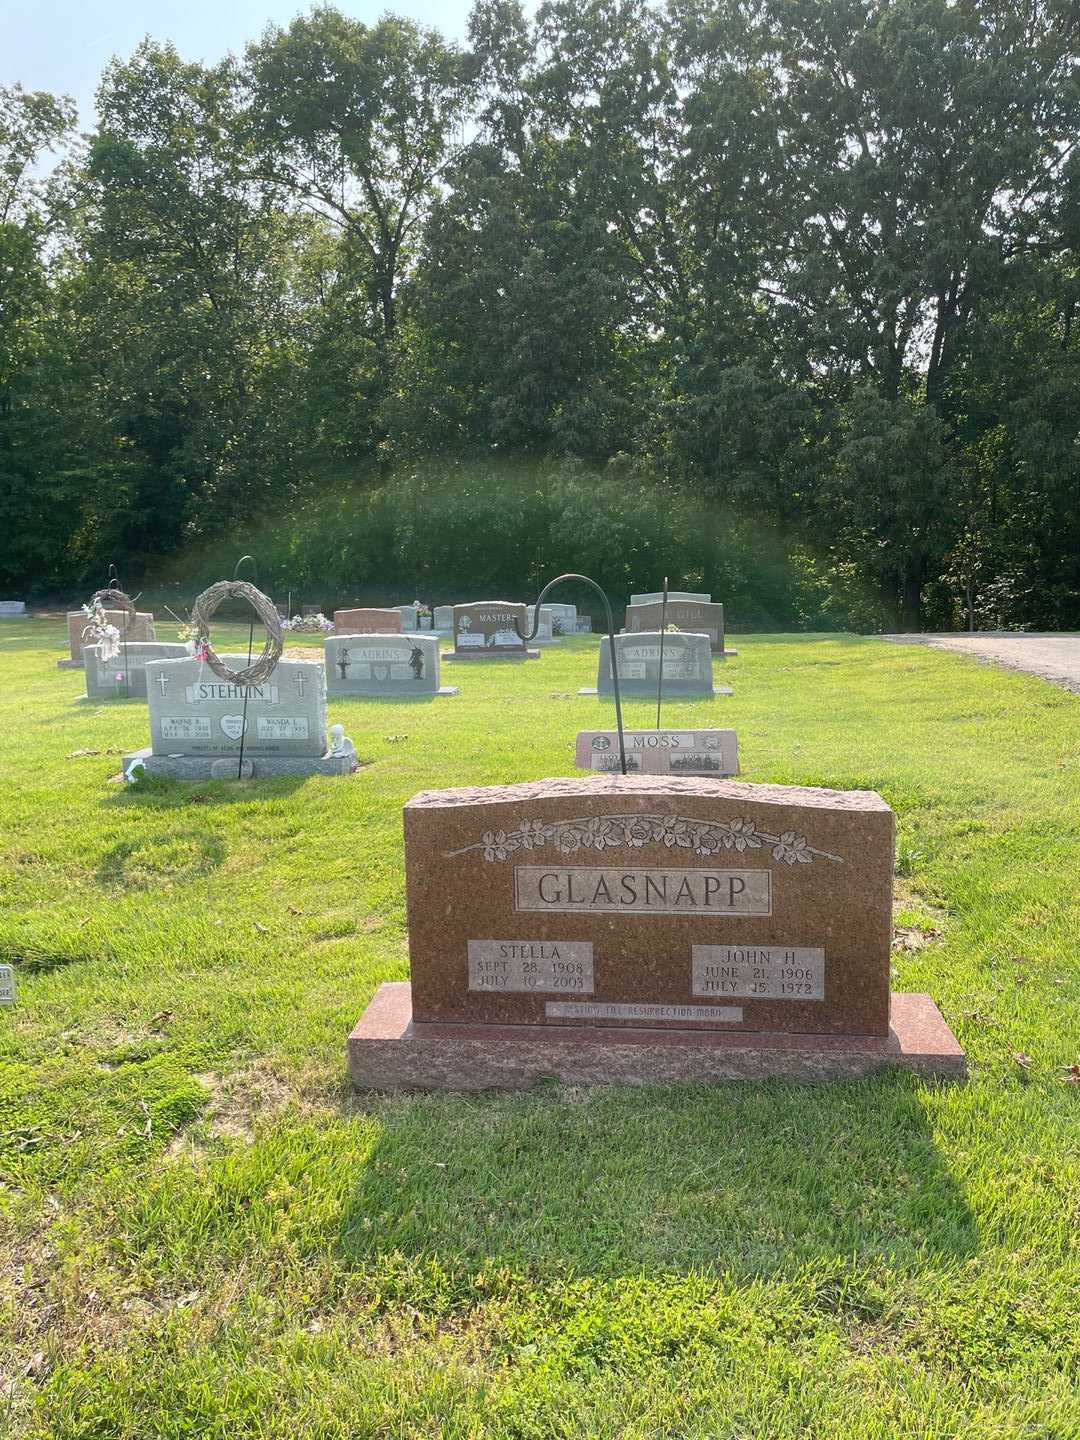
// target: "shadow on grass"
[[163, 792], [748, 1179], [144, 863]]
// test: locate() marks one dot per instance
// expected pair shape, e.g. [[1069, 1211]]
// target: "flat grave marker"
[[660, 752]]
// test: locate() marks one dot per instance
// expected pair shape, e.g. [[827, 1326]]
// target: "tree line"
[[778, 295]]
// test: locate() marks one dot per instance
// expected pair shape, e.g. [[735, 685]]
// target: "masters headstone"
[[396, 666], [645, 929], [197, 721], [124, 675], [367, 622], [702, 619], [660, 752], [687, 666], [484, 630]]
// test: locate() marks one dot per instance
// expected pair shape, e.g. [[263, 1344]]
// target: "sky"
[[63, 45]]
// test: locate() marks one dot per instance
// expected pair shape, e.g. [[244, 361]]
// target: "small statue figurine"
[[337, 740]]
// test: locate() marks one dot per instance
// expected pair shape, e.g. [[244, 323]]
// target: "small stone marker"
[[197, 720], [7, 985], [397, 666], [367, 622], [140, 627], [12, 609], [484, 630], [687, 666], [655, 597], [660, 752], [545, 634], [645, 929], [583, 625], [410, 617], [130, 665], [702, 619]]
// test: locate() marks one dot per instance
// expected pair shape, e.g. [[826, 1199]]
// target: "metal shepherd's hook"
[[584, 580], [660, 677], [250, 559], [113, 583]]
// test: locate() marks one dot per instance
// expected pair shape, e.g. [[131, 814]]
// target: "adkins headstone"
[[396, 666], [197, 720], [125, 674], [702, 619], [484, 630], [367, 622], [137, 627], [660, 752], [687, 666], [642, 929]]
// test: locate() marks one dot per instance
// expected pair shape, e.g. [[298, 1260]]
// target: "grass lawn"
[[204, 1233]]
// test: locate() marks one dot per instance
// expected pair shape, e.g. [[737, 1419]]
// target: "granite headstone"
[[395, 666], [641, 928], [125, 674], [701, 618], [484, 630], [687, 666], [367, 622]]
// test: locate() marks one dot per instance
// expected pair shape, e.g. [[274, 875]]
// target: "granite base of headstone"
[[367, 622], [687, 661], [133, 628], [123, 676], [197, 721], [484, 630], [712, 753], [644, 929], [390, 667]]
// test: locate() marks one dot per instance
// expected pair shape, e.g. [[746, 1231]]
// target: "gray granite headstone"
[[697, 617], [409, 617], [444, 619], [12, 609], [687, 664], [139, 626], [484, 630], [193, 712], [399, 666], [102, 682], [545, 635], [656, 596]]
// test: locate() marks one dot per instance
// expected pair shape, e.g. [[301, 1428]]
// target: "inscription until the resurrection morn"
[[761, 972], [522, 966], [575, 888], [603, 1010]]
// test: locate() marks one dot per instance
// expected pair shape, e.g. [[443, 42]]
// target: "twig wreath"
[[263, 606], [99, 629], [111, 599]]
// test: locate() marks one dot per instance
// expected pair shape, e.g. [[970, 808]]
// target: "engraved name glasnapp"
[[568, 889]]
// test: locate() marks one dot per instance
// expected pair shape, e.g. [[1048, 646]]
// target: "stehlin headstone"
[[197, 722], [644, 929], [399, 667]]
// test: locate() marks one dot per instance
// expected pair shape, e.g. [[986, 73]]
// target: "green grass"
[[203, 1232]]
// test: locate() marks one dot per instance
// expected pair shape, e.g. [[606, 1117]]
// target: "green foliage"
[[799, 269]]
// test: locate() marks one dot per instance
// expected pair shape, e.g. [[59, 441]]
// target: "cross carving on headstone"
[[300, 683], [163, 684]]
